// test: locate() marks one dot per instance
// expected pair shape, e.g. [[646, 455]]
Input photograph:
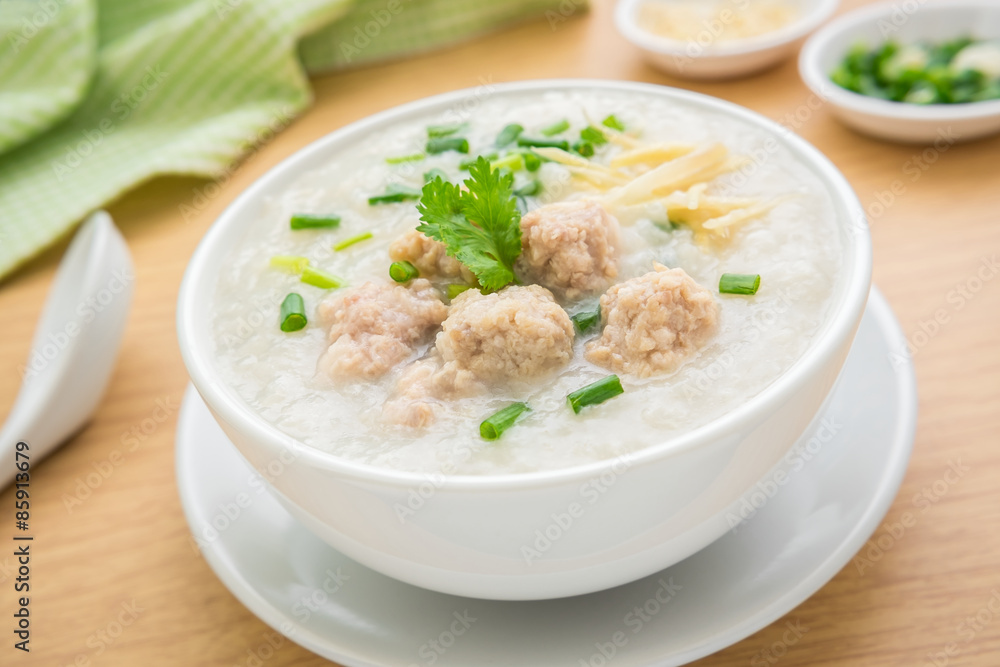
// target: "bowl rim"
[[840, 326], [815, 15], [819, 82]]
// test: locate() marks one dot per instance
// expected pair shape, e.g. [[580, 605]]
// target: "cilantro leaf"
[[480, 227]]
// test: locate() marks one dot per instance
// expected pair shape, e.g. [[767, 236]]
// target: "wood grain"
[[128, 541]]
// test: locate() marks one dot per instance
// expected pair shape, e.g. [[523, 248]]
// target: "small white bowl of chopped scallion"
[[927, 75]]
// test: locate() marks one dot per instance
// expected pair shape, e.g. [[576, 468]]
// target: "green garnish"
[[532, 161], [441, 144], [739, 283], [455, 289], [613, 122], [529, 189], [290, 263], [465, 164], [543, 143], [435, 173], [395, 193], [400, 159], [403, 272], [512, 161], [443, 130], [594, 393], [920, 73], [321, 279], [494, 425], [593, 135], [293, 313], [584, 148], [347, 243], [587, 319], [508, 135], [556, 128], [668, 226], [480, 226], [312, 221]]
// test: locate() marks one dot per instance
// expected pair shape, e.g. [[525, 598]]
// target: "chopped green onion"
[[393, 194], [443, 130], [509, 135], [321, 279], [441, 144], [584, 148], [556, 128], [435, 173], [400, 159], [457, 288], [465, 164], [290, 263], [613, 122], [595, 393], [293, 313], [739, 283], [668, 226], [494, 425], [587, 319], [512, 161], [347, 243], [561, 144], [403, 272], [593, 135], [529, 189], [310, 221], [921, 73], [532, 161]]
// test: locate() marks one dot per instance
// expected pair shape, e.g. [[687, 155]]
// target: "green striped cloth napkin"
[[97, 96]]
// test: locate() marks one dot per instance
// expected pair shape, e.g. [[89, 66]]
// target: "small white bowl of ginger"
[[719, 39]]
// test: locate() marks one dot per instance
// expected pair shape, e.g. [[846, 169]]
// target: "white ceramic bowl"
[[906, 22], [467, 534], [702, 58]]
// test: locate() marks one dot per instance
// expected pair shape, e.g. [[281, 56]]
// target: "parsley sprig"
[[480, 226]]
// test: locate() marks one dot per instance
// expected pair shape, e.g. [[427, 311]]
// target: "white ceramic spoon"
[[75, 344]]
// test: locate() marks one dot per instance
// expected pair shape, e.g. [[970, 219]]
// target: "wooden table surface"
[[935, 223]]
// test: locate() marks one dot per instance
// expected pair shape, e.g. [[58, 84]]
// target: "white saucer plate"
[[802, 524]]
